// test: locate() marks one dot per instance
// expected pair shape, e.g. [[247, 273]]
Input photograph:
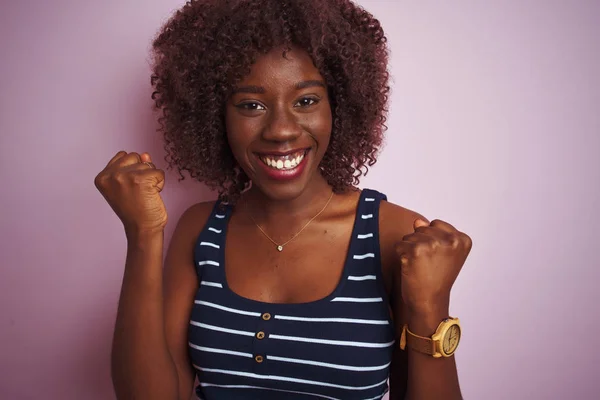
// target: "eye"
[[306, 102], [251, 106]]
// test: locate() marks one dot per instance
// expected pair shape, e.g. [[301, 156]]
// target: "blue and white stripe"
[[336, 348]]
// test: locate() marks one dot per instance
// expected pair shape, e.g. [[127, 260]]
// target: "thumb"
[[419, 222], [145, 157]]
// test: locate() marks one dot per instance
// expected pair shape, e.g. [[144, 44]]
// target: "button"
[[266, 316], [260, 335], [259, 359]]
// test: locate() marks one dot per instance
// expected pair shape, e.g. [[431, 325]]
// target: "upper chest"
[[309, 267], [313, 263]]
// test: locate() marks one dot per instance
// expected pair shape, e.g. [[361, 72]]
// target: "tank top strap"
[[365, 244], [363, 269], [207, 251]]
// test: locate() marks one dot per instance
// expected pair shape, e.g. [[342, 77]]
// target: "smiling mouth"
[[283, 162]]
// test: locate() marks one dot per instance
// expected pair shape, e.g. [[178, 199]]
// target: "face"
[[279, 123]]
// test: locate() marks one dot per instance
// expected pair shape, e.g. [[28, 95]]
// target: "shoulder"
[[196, 213], [192, 222], [395, 222]]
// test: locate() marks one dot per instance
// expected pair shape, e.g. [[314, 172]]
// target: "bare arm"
[[429, 377], [141, 364], [149, 352], [166, 302], [180, 287], [416, 376], [413, 376]]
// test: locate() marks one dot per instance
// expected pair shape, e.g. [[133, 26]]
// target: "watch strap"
[[419, 343]]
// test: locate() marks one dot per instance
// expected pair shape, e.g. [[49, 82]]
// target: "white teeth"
[[287, 163]]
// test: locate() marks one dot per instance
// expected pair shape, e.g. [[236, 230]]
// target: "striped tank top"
[[339, 347]]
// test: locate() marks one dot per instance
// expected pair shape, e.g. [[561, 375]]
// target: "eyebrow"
[[260, 90], [307, 84], [248, 89]]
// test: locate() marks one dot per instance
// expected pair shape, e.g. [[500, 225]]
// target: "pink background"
[[495, 127]]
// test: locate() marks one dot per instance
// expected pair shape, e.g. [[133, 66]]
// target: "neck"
[[273, 212]]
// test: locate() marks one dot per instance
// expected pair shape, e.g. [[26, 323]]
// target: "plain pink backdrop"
[[494, 126]]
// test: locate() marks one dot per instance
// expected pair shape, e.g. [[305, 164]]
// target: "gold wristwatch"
[[442, 343]]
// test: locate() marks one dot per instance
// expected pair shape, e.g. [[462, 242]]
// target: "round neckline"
[[273, 306]]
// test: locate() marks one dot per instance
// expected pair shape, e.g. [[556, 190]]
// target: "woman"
[[294, 284]]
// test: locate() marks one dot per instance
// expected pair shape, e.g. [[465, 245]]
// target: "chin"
[[287, 182]]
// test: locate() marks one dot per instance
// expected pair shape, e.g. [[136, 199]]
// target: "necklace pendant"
[[280, 248]]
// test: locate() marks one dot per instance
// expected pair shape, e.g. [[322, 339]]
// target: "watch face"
[[451, 339]]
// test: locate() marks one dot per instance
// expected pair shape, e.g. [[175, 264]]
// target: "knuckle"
[[102, 180], [444, 239], [420, 249], [119, 176], [399, 249], [467, 240], [99, 180], [138, 179], [403, 251], [403, 257], [454, 241]]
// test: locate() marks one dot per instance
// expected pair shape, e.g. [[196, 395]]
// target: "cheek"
[[239, 133], [320, 126], [327, 121]]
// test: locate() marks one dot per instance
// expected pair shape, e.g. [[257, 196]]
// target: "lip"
[[284, 175], [281, 153]]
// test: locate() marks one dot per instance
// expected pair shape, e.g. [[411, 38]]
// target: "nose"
[[282, 126]]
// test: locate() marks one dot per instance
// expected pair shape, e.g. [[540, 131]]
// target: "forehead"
[[273, 69]]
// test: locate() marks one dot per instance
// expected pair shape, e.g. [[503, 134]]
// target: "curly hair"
[[208, 46]]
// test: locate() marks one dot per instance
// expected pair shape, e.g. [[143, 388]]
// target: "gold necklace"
[[278, 246]]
